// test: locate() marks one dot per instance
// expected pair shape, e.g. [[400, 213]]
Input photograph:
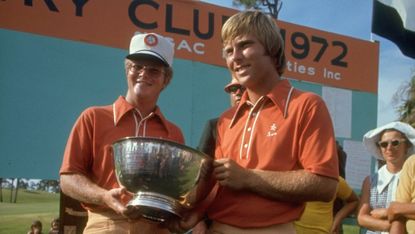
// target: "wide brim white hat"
[[151, 46], [372, 137]]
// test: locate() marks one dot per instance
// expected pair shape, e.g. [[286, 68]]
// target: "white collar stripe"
[[288, 102], [114, 114], [142, 121]]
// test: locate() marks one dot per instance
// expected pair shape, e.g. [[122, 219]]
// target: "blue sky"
[[351, 18]]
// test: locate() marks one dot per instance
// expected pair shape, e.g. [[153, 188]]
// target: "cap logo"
[[151, 40]]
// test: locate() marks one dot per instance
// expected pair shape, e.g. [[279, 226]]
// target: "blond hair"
[[263, 27]]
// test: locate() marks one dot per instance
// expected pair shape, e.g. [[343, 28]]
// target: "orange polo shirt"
[[286, 130], [88, 150]]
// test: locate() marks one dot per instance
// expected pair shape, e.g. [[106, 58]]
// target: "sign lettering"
[[312, 55]]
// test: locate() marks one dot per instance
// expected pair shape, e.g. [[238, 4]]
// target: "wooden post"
[[15, 191], [1, 189], [11, 191]]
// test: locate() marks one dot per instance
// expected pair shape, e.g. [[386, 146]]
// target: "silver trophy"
[[166, 178]]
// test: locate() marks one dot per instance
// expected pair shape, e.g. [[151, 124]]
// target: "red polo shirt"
[[88, 150], [286, 130]]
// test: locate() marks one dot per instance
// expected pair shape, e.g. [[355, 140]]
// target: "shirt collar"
[[121, 107], [385, 178], [279, 96]]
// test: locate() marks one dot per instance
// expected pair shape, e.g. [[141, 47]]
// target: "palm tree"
[[404, 100]]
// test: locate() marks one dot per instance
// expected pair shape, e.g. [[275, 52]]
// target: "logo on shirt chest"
[[272, 130]]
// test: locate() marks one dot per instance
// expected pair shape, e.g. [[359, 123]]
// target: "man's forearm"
[[81, 188], [398, 210], [408, 210], [397, 227], [292, 186]]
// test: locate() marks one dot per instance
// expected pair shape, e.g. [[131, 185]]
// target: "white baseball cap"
[[372, 137], [151, 45]]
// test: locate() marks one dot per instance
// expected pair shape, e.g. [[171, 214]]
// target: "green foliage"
[[271, 7], [404, 99], [31, 205], [247, 3]]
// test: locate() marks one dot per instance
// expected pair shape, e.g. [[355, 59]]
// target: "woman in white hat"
[[391, 143]]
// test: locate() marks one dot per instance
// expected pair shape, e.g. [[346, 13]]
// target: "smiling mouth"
[[241, 68], [141, 82]]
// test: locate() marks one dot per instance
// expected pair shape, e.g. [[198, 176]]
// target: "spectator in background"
[[318, 216], [54, 226], [36, 227], [235, 91], [208, 138], [392, 143], [325, 217], [342, 156], [338, 202]]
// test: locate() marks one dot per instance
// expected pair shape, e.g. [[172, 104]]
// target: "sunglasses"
[[395, 143], [152, 70], [234, 88]]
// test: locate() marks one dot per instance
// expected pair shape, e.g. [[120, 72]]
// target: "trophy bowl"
[[166, 177]]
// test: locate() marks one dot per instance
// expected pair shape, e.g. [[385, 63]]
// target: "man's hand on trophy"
[[112, 198]]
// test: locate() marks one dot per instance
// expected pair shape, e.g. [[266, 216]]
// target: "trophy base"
[[156, 207]]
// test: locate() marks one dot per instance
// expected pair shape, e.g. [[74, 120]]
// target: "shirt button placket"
[[248, 135]]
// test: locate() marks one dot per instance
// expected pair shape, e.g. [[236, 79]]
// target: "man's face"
[[55, 225], [37, 229], [247, 60], [145, 79], [235, 92]]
